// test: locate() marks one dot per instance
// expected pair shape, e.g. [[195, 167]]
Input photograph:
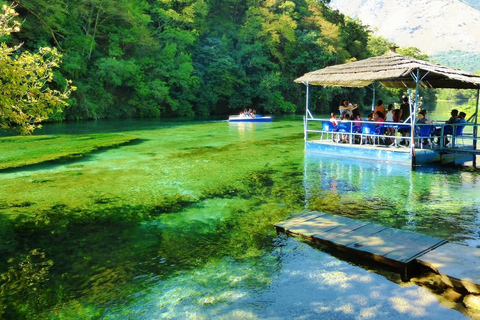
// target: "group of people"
[[380, 114], [248, 113], [350, 112], [455, 118]]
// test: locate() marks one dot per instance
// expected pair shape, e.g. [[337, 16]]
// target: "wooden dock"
[[397, 248]]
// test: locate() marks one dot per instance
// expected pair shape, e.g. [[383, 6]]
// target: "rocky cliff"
[[433, 26]]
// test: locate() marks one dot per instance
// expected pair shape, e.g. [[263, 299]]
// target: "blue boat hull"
[[247, 119]]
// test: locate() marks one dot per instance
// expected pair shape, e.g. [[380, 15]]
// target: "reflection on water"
[[441, 202]]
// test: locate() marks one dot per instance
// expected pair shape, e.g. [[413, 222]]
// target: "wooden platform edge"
[[402, 266]]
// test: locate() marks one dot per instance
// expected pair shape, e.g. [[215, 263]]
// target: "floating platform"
[[397, 248], [391, 154]]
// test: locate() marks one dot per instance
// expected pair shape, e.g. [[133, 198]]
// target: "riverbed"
[[179, 225]]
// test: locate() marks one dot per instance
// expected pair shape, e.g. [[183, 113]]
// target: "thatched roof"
[[391, 70]]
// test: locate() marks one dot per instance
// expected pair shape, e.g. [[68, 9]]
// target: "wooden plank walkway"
[[397, 248]]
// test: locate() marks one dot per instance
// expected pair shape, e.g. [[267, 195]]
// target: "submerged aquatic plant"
[[22, 151]]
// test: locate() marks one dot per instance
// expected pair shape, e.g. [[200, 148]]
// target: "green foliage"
[[27, 97], [413, 52], [26, 276], [378, 46], [168, 58]]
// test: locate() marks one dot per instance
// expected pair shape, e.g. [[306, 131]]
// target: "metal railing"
[[442, 136]]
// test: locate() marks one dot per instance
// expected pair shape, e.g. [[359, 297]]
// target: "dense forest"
[[149, 58], [161, 58]]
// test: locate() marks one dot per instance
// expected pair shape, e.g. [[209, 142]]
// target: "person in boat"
[[357, 117], [404, 109], [378, 117], [380, 107], [389, 115], [396, 115], [447, 129], [345, 117], [461, 117], [453, 117], [389, 118], [422, 120], [346, 107], [357, 124], [461, 122], [422, 117], [253, 114], [370, 116], [333, 119]]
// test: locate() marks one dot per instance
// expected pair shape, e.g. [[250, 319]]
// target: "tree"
[[25, 96]]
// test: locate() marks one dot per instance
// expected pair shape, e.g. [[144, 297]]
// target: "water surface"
[[180, 226]]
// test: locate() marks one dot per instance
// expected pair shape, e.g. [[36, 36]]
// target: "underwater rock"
[[452, 295], [472, 301]]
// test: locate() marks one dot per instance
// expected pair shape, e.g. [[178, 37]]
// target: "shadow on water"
[[121, 125], [71, 158], [116, 125]]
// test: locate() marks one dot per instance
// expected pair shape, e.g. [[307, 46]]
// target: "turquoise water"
[[180, 226]]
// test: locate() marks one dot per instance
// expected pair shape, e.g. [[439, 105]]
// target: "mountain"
[[433, 26]]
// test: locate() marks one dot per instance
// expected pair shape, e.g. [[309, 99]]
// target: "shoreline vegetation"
[[21, 151]]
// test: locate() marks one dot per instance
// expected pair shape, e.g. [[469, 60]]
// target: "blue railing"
[[438, 135]]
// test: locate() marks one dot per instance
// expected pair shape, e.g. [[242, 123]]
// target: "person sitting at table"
[[453, 116], [370, 116], [461, 117], [357, 124], [357, 117], [404, 109], [396, 115], [346, 107], [380, 108], [389, 118], [447, 129], [378, 117], [422, 120], [461, 123], [345, 117], [333, 119]]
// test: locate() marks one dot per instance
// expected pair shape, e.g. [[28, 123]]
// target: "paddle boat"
[[243, 118]]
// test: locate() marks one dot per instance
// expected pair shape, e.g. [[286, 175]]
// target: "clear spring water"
[[179, 225]]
